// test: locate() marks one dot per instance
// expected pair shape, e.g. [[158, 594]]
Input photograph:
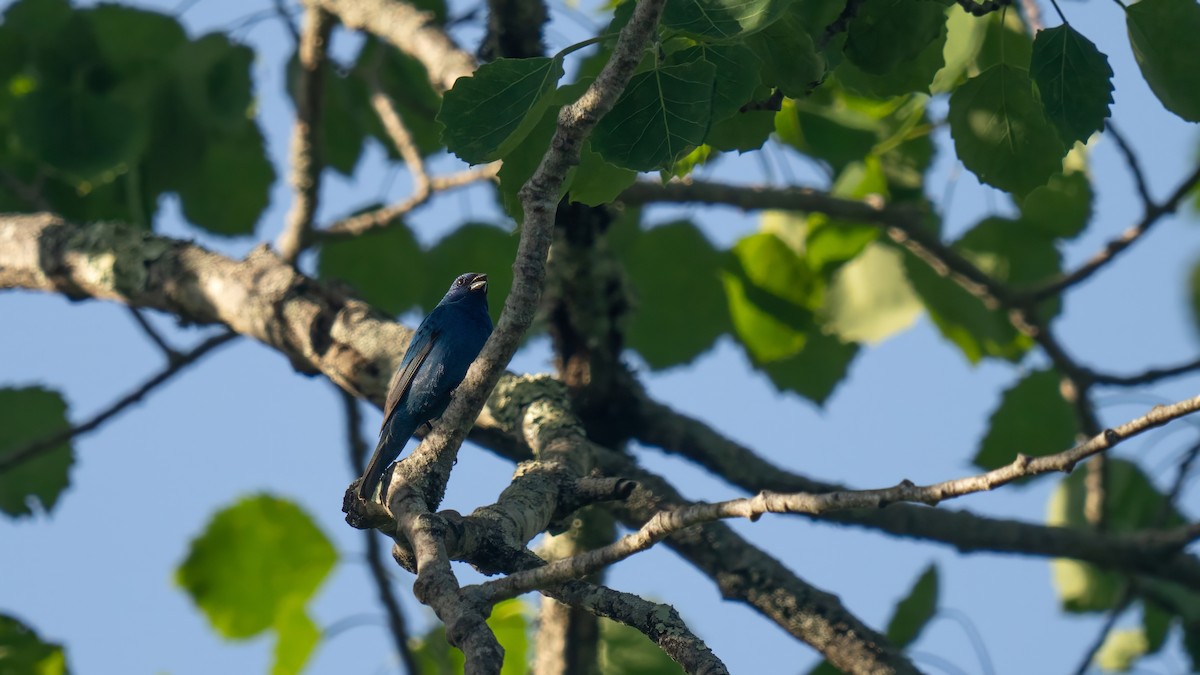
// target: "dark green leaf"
[[721, 19], [22, 652], [26, 416], [743, 132], [343, 129], [1163, 33], [660, 117], [473, 247], [816, 370], [487, 115], [213, 78], [736, 75], [626, 651], [596, 181], [913, 74], [887, 33], [1075, 82], [520, 164], [132, 39], [1001, 133], [770, 294], [254, 561], [832, 133], [680, 308], [1156, 623], [1005, 42], [386, 267], [789, 57], [230, 185], [915, 610], [1032, 419], [1061, 207], [1133, 503], [88, 138]]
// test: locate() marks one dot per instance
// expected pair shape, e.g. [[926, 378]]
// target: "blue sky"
[[97, 573]]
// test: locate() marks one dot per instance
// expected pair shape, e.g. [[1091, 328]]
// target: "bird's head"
[[469, 286]]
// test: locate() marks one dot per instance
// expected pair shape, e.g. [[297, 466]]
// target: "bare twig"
[[32, 450], [306, 153], [282, 10], [1117, 245], [362, 223], [168, 351], [664, 523], [1135, 166], [1126, 598], [1146, 377], [383, 584]]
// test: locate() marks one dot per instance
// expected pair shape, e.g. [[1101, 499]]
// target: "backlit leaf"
[[721, 19], [1162, 33], [1075, 82]]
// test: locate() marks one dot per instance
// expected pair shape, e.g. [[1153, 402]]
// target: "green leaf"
[[816, 370], [1062, 207], [1156, 623], [789, 56], [1001, 133], [213, 79], [230, 185], [887, 33], [830, 132], [254, 561], [915, 610], [626, 651], [88, 138], [29, 415], [386, 267], [486, 115], [132, 39], [660, 117], [736, 74], [913, 74], [1121, 649], [298, 637], [472, 247], [407, 82], [769, 292], [343, 129], [1075, 82], [22, 652], [680, 307], [964, 38], [520, 164], [596, 181], [1005, 42], [1162, 33], [870, 299], [721, 19], [1134, 503], [1012, 252], [1032, 419], [743, 132]]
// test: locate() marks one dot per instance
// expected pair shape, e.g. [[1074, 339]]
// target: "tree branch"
[[410, 30], [307, 158], [22, 455], [168, 351]]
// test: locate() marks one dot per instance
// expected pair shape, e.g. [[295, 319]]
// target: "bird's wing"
[[423, 345]]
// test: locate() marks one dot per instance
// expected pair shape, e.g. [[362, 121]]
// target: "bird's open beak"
[[480, 283]]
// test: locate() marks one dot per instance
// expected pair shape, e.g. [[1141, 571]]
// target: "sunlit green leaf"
[[1032, 419], [870, 298], [253, 561], [489, 113], [27, 416], [1133, 503], [769, 292], [1162, 33], [1122, 648], [1001, 132], [435, 656], [964, 38], [297, 639], [386, 267], [816, 370], [1075, 82], [22, 652], [660, 117], [596, 181]]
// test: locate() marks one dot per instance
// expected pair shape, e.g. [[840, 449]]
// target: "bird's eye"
[[460, 281]]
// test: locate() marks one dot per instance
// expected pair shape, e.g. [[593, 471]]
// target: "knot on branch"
[[535, 407]]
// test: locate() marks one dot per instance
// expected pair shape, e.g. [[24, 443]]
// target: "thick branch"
[[410, 30]]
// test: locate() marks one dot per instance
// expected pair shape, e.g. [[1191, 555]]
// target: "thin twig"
[[1116, 246], [1146, 377], [1126, 599], [369, 221], [664, 523], [168, 351], [383, 584], [38, 447], [307, 154], [282, 10], [1135, 166]]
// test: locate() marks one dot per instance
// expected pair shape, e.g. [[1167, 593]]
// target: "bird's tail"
[[379, 461]]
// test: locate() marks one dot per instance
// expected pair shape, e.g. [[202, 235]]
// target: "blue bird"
[[436, 362]]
